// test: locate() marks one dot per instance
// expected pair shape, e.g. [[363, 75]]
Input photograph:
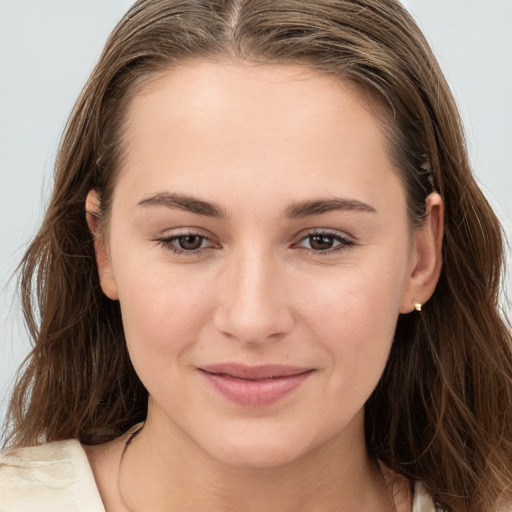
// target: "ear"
[[93, 215], [426, 257]]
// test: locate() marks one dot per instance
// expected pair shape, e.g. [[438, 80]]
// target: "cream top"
[[57, 477]]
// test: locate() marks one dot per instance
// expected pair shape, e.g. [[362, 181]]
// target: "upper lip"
[[260, 372]]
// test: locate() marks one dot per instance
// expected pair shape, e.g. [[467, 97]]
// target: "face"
[[259, 246]]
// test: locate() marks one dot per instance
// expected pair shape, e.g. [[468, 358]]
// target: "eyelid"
[[166, 240], [184, 231], [345, 241]]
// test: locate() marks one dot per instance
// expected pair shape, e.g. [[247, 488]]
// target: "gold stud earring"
[[417, 305]]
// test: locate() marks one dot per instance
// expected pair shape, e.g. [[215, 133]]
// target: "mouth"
[[254, 386]]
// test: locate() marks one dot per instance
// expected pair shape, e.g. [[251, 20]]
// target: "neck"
[[174, 474]]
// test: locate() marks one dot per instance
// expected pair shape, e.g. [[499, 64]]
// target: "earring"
[[417, 305]]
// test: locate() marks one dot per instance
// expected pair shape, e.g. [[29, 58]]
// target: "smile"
[[254, 386]]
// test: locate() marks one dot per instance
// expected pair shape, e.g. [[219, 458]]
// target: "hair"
[[442, 412]]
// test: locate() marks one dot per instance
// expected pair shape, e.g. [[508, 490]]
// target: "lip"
[[254, 386]]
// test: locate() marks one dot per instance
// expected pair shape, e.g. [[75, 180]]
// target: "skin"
[[257, 142]]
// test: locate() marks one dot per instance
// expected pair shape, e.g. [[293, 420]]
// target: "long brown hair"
[[442, 411]]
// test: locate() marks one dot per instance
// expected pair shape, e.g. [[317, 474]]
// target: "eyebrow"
[[295, 211], [320, 206], [184, 202]]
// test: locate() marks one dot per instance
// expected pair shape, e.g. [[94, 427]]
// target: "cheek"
[[353, 318], [164, 312]]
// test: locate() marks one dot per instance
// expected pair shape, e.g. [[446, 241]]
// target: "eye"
[[324, 242], [190, 242], [186, 243], [321, 242]]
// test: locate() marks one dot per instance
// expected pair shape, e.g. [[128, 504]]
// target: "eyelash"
[[167, 243], [343, 243]]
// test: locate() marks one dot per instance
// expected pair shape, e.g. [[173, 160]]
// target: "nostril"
[[248, 325]]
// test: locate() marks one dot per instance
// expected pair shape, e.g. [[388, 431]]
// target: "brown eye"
[[187, 244], [325, 242], [190, 242], [321, 242]]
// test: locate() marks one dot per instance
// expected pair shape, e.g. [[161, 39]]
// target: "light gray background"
[[48, 48]]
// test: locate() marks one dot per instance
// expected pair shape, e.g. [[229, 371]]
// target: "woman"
[[267, 279]]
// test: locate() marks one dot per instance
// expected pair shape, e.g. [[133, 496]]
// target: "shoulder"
[[423, 501], [49, 477]]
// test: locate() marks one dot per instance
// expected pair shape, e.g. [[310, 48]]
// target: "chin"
[[251, 448]]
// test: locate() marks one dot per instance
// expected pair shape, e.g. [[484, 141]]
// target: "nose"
[[254, 306]]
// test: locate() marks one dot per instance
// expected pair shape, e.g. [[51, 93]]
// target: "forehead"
[[247, 126], [199, 90]]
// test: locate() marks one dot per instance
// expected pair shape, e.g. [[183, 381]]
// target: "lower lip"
[[254, 393]]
